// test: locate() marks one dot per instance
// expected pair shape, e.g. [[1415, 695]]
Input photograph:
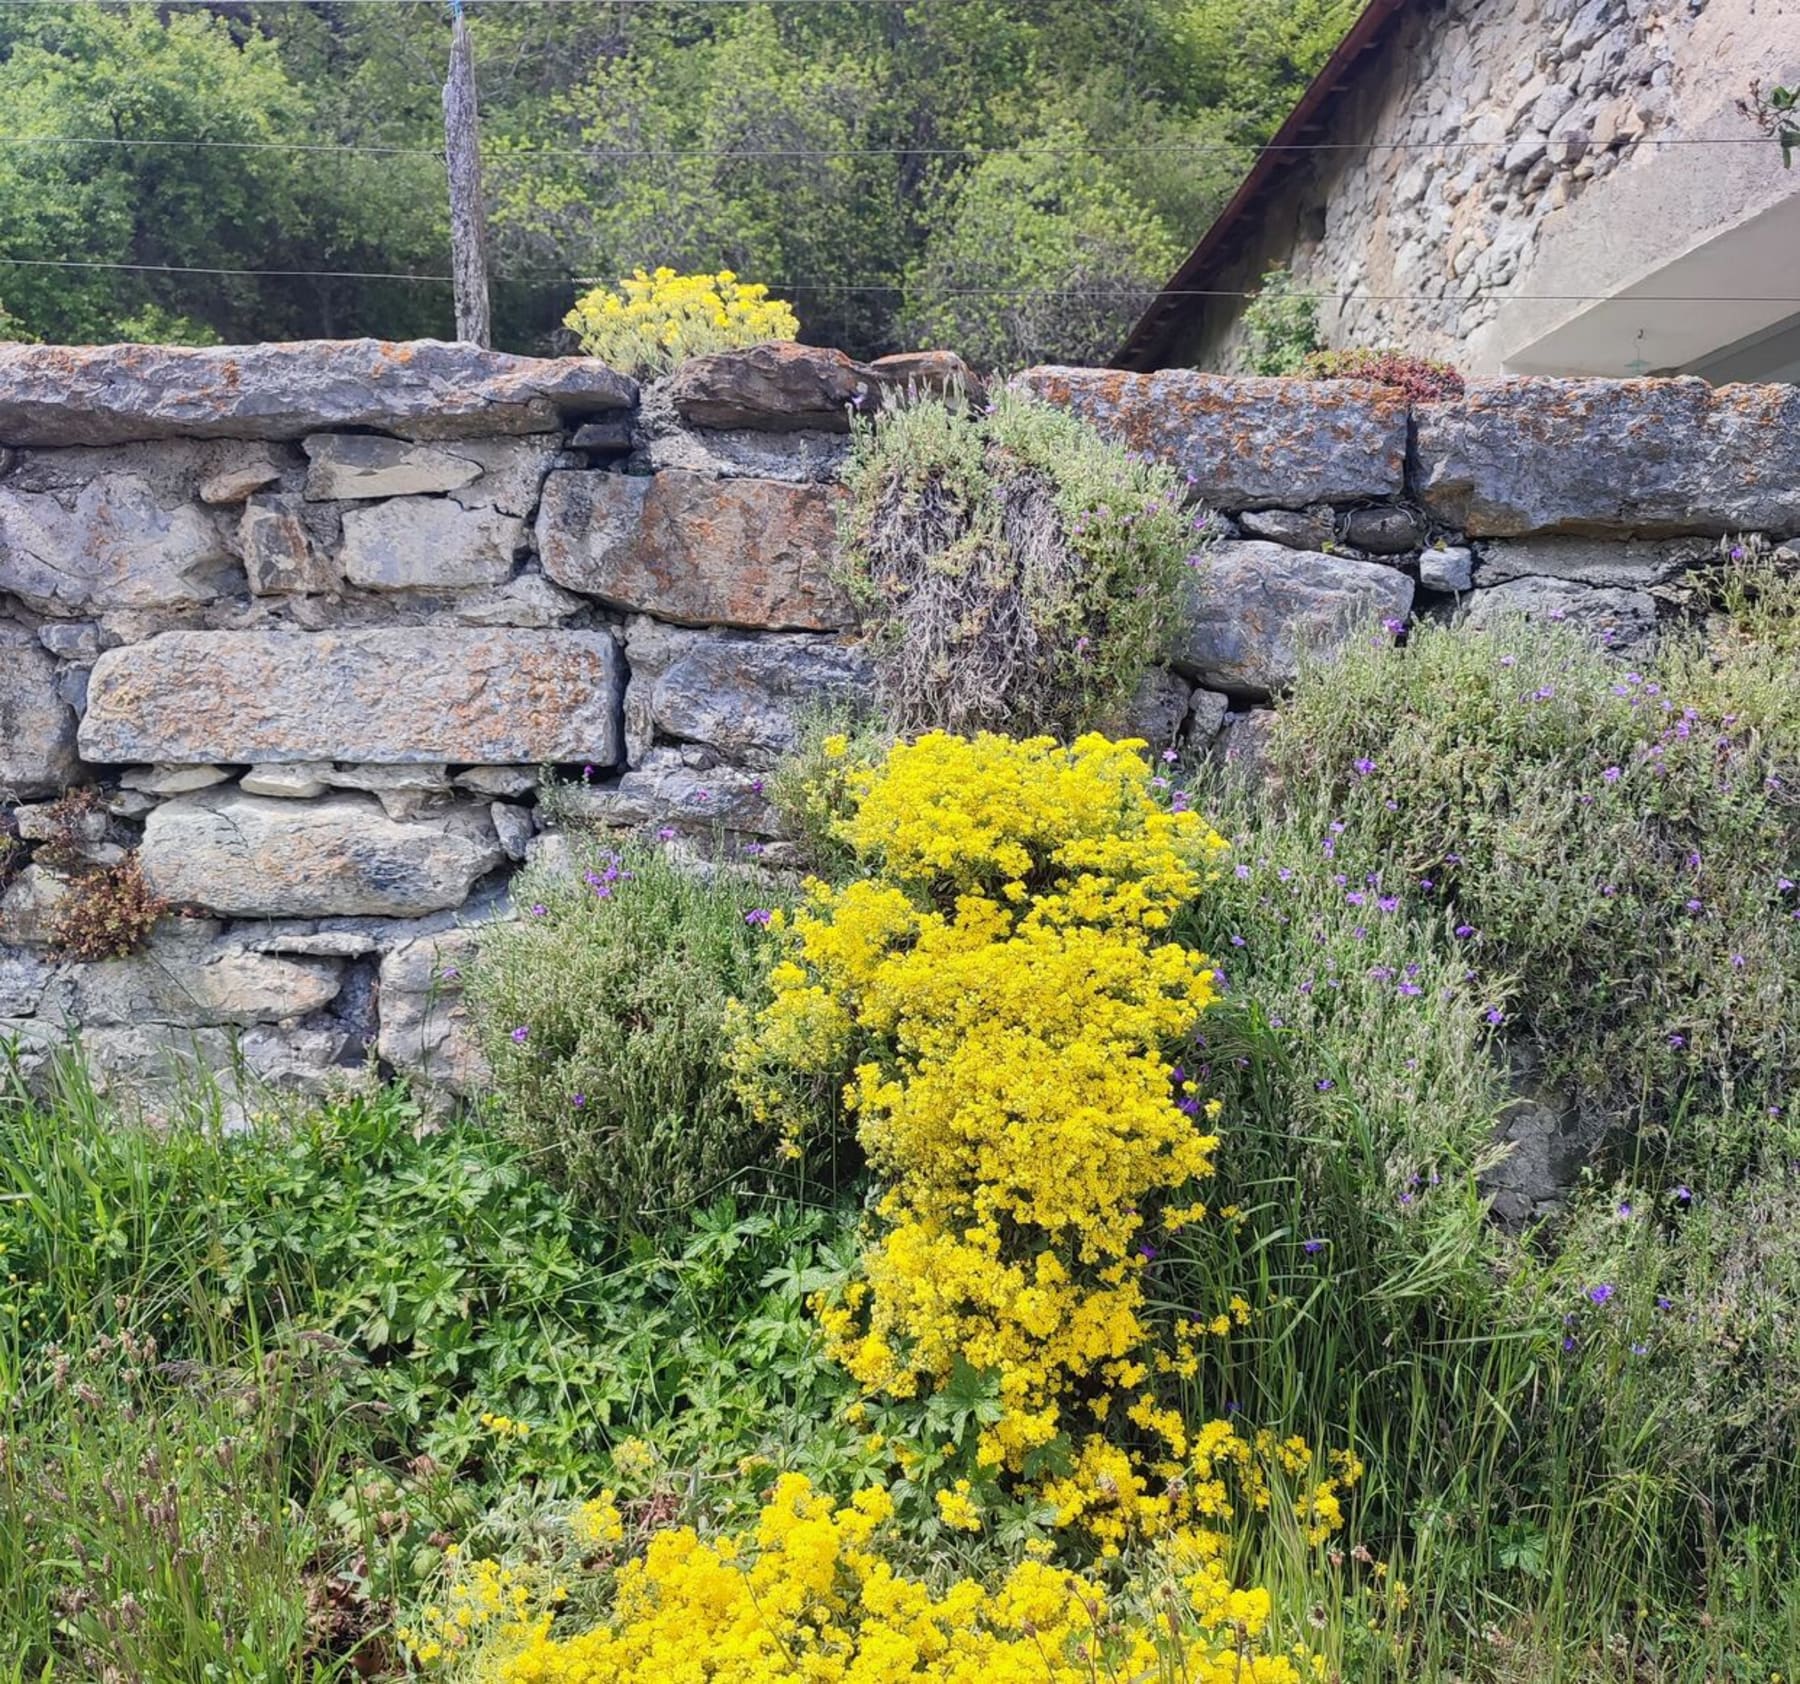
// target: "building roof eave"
[[1145, 345]]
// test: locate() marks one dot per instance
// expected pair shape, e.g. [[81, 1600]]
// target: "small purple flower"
[[587, 774], [1612, 774], [1409, 990], [757, 916], [1392, 626], [539, 910], [449, 973], [1625, 1208], [756, 786], [666, 834], [1665, 1304], [1684, 1195], [1237, 941], [1638, 1349], [1325, 1084], [1601, 1294], [1312, 1247], [1362, 766], [578, 1100], [1678, 1041], [1568, 1344], [1389, 903], [521, 1035], [1495, 1016], [1147, 1252], [1464, 931], [1170, 757]]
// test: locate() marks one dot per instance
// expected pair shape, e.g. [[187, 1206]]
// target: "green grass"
[[242, 1375], [1436, 877]]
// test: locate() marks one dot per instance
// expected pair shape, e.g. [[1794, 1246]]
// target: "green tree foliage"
[[78, 74], [1014, 176]]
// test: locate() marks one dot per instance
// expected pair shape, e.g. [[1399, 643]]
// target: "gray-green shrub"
[[1015, 571], [602, 1013]]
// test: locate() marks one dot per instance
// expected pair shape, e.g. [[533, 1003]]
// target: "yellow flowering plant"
[[1000, 988], [654, 322], [810, 1594]]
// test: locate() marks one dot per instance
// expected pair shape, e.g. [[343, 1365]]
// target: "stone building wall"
[[1492, 151], [300, 625]]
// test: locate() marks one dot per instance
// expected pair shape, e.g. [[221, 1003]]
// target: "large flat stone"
[[393, 696], [258, 856], [1248, 441], [421, 389], [1255, 610], [427, 543], [190, 977], [777, 387], [743, 697], [1616, 619], [1618, 457], [494, 473], [666, 791], [37, 728], [700, 552], [113, 543], [1624, 564]]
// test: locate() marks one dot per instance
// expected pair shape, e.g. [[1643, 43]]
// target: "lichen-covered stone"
[[1447, 567], [1254, 610], [37, 728], [743, 552], [1618, 619], [1247, 442], [113, 543], [283, 553], [190, 976], [429, 543], [741, 696], [666, 792], [359, 465], [421, 389], [777, 387], [939, 373], [426, 1032], [255, 856], [1618, 457], [393, 695], [1625, 564]]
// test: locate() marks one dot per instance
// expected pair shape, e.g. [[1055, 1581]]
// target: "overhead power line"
[[603, 153]]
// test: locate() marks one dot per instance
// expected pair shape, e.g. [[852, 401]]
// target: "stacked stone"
[[307, 621]]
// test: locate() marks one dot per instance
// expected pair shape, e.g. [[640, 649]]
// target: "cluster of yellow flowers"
[[483, 1600], [656, 321], [1003, 985], [810, 1596]]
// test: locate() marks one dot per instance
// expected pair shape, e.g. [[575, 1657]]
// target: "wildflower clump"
[[1000, 987], [811, 1592], [656, 321], [1012, 569]]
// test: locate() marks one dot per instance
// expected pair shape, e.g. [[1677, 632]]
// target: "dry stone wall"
[[301, 625]]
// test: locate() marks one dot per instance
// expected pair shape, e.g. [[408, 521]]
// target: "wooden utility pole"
[[468, 217]]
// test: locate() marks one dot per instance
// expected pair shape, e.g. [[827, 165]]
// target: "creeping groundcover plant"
[[995, 987]]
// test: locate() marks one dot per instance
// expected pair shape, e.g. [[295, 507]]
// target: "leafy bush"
[[602, 1010], [1014, 571], [1282, 326], [1586, 1439], [655, 322], [1620, 838], [1420, 378], [108, 913]]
